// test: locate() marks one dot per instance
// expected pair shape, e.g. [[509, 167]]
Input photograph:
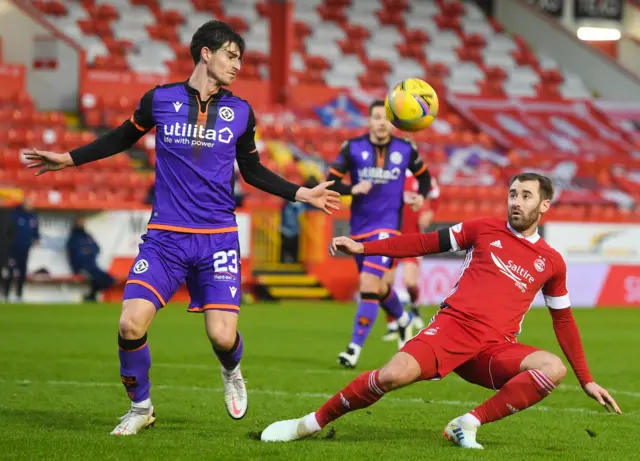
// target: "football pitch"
[[60, 390]]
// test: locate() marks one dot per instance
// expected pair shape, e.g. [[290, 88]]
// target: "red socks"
[[360, 393], [413, 294], [520, 392]]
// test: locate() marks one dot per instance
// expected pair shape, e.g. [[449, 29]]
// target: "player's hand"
[[320, 197], [601, 395], [48, 161], [345, 245], [415, 202], [362, 188]]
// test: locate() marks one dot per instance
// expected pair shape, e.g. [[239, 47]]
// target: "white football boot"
[[135, 420], [235, 392], [291, 429], [405, 329], [392, 332], [349, 358], [462, 434], [418, 322]]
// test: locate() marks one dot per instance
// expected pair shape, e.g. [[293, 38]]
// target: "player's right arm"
[[459, 237], [339, 169], [111, 143]]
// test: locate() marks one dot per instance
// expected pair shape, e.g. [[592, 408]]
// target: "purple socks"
[[135, 362], [231, 358]]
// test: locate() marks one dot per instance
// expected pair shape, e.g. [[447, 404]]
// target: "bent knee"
[[554, 369], [401, 371], [135, 318], [222, 337], [131, 327]]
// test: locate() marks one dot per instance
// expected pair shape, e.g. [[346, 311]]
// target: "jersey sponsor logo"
[[396, 158], [226, 113], [379, 175], [224, 277], [195, 135], [141, 266], [177, 105], [515, 272]]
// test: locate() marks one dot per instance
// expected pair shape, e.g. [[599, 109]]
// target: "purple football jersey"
[[196, 144], [384, 166]]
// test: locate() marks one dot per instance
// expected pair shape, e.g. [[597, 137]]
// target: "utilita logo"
[[195, 135], [378, 175]]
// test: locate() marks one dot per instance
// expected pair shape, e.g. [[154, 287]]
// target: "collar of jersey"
[[532, 238], [217, 95]]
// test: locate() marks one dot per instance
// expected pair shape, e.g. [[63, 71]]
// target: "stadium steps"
[[275, 282]]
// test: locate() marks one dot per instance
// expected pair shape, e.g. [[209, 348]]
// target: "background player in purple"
[[192, 235], [377, 162]]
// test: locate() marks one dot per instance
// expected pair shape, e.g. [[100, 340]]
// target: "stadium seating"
[[339, 43]]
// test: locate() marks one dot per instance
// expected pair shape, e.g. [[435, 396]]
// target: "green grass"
[[60, 393]]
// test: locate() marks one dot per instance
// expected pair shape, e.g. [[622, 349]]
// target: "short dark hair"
[[545, 185], [213, 35], [374, 104]]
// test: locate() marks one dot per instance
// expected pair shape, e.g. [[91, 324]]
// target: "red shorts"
[[476, 353]]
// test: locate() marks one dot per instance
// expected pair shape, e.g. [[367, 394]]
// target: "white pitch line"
[[328, 371], [274, 393]]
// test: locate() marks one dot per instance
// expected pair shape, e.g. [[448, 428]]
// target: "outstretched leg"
[[362, 392], [135, 363], [157, 273], [227, 345]]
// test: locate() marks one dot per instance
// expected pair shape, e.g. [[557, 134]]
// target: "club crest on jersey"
[[141, 266], [396, 158], [226, 113], [365, 154], [539, 265]]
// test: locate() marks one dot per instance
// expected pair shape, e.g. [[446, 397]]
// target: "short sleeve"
[[463, 235], [142, 118], [556, 294], [247, 141], [416, 165], [343, 162]]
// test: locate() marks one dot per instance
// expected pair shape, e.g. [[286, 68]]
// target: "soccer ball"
[[411, 105]]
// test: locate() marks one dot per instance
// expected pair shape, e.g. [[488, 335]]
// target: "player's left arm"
[[420, 171], [257, 175], [557, 299]]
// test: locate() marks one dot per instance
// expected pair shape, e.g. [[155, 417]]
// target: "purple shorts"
[[375, 265], [209, 263]]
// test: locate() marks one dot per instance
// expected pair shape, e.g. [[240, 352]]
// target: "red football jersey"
[[409, 217], [502, 274]]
